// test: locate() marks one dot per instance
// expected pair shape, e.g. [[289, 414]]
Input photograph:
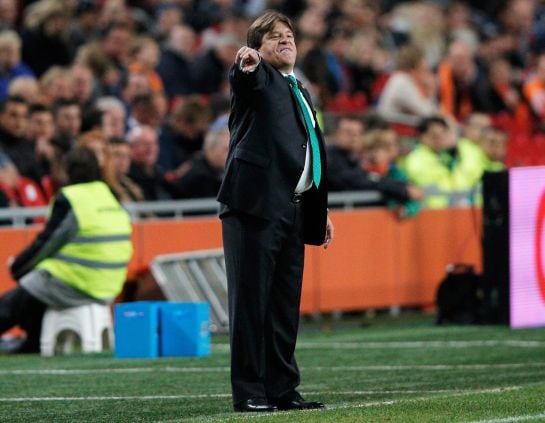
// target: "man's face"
[[41, 126], [435, 137], [349, 135], [145, 149], [69, 120], [15, 119], [278, 48], [121, 157]]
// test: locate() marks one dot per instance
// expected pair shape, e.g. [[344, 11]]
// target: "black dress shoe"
[[296, 402], [255, 405]]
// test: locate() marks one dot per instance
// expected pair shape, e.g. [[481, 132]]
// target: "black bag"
[[459, 296]]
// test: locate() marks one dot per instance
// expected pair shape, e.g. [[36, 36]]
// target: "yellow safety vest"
[[95, 260]]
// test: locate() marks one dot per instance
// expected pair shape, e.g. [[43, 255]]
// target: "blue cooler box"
[[184, 329], [136, 328], [149, 329]]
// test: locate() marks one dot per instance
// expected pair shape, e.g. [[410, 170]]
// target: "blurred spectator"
[[17, 190], [121, 158], [144, 170], [211, 67], [424, 166], [205, 170], [175, 64], [381, 151], [44, 36], [108, 55], [11, 66], [84, 91], [369, 64], [13, 130], [494, 145], [460, 27], [26, 87], [40, 133], [502, 93], [9, 13], [459, 78], [344, 171], [148, 109], [410, 92], [144, 59], [534, 88], [133, 84], [8, 178], [67, 116], [183, 135], [97, 142], [113, 116], [56, 84], [326, 65], [83, 25], [168, 16]]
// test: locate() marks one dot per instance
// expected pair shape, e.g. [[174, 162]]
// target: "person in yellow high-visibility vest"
[[80, 257]]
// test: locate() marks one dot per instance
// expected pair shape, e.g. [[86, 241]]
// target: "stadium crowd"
[[417, 98]]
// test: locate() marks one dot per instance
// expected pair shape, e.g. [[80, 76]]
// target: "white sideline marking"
[[70, 372], [421, 344], [512, 419], [228, 395], [284, 414], [309, 345]]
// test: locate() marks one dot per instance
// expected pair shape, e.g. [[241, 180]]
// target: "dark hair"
[[82, 166], [117, 141], [426, 122], [38, 108], [62, 103], [11, 99], [263, 24]]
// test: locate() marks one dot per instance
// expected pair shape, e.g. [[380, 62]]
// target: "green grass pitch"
[[403, 369]]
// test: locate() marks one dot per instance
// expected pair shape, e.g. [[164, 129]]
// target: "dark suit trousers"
[[264, 263]]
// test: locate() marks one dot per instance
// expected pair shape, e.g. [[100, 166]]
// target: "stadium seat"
[[90, 324]]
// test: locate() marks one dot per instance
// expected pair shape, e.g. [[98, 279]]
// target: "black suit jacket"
[[267, 151]]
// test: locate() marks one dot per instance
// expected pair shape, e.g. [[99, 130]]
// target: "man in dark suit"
[[274, 200]]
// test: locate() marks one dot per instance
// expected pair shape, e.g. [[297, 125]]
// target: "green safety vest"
[[95, 260]]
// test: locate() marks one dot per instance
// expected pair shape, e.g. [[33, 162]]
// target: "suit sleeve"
[[59, 229], [244, 83]]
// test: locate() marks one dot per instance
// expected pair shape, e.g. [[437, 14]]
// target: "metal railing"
[[179, 209]]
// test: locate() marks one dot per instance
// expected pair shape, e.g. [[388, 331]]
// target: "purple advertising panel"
[[527, 246]]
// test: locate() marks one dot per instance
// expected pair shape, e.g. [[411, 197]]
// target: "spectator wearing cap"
[[11, 66], [205, 170]]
